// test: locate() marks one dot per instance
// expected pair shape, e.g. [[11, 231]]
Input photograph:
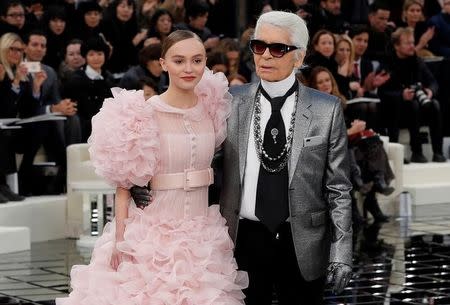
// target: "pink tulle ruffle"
[[176, 262], [212, 91], [124, 144]]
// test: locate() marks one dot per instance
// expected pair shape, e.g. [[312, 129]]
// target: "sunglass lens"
[[258, 47], [277, 50]]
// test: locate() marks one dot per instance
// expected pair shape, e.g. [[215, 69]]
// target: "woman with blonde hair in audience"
[[414, 18]]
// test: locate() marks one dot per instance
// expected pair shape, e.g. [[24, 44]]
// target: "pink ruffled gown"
[[179, 251]]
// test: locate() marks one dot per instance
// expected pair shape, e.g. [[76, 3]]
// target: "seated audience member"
[[408, 94], [57, 34], [370, 169], [73, 61], [230, 47], [90, 86], [329, 17], [414, 18], [380, 33], [161, 25], [89, 23], [149, 66], [440, 44], [323, 54], [369, 79], [121, 31], [237, 80], [16, 102], [149, 86], [13, 18], [217, 62], [196, 17]]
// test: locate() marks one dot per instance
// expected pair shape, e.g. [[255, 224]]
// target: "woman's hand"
[[139, 37], [38, 80], [2, 73], [116, 258], [344, 68], [21, 73], [151, 40]]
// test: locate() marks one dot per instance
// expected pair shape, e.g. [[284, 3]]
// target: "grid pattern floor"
[[400, 262]]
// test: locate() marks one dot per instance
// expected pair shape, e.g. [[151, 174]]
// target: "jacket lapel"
[[302, 123], [245, 116]]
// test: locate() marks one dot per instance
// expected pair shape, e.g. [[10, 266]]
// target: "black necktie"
[[272, 201]]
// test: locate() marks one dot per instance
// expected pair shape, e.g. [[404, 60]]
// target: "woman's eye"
[[178, 62], [197, 61]]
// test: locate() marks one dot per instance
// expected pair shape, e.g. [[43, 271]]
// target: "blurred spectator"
[[230, 48], [146, 9], [323, 54], [121, 30], [345, 58], [369, 80], [217, 62], [409, 94], [55, 28], [413, 17], [329, 17], [73, 61], [89, 87], [149, 86], [380, 33], [236, 80], [303, 8], [161, 25], [440, 44], [149, 67], [176, 8], [370, 169], [90, 14], [196, 17], [13, 18], [356, 11]]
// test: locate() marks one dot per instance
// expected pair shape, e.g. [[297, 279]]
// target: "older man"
[[286, 189], [285, 193]]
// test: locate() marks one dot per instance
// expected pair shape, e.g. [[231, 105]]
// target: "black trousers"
[[270, 261], [414, 115]]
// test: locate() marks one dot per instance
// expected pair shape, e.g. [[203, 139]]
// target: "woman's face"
[[124, 11], [185, 62], [95, 59], [92, 18], [325, 45], [343, 51], [148, 92], [14, 53], [414, 13], [323, 81], [57, 26], [164, 24], [73, 59]]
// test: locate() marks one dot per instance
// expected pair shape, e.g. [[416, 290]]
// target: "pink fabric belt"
[[187, 180]]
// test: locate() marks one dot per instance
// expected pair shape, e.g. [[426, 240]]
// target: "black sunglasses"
[[276, 49]]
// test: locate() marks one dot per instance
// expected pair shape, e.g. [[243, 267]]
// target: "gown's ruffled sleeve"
[[212, 91], [124, 144]]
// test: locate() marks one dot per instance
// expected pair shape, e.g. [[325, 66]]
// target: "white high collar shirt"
[[252, 165]]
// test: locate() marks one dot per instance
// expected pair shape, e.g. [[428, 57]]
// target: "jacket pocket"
[[318, 218]]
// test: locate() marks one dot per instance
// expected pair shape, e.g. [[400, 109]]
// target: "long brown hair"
[[175, 37], [312, 82]]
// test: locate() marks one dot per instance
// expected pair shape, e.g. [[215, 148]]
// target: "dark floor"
[[398, 263]]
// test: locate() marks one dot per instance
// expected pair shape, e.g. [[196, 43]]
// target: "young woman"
[[370, 169], [177, 249], [161, 25]]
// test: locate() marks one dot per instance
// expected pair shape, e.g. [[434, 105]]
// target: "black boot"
[[371, 205], [8, 193], [380, 185]]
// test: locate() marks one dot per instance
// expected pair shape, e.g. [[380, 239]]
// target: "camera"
[[419, 94]]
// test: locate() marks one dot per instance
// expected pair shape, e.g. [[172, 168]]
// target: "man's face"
[[36, 48], [405, 47], [446, 6], [271, 68], [360, 43], [198, 22], [15, 16], [379, 20], [331, 6]]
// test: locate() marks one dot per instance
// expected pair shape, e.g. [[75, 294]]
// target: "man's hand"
[[429, 93], [65, 106], [339, 274], [141, 196], [408, 94]]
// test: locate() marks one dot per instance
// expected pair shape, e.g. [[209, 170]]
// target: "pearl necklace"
[[260, 151]]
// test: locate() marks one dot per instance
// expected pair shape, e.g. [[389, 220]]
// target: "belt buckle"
[[186, 181]]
